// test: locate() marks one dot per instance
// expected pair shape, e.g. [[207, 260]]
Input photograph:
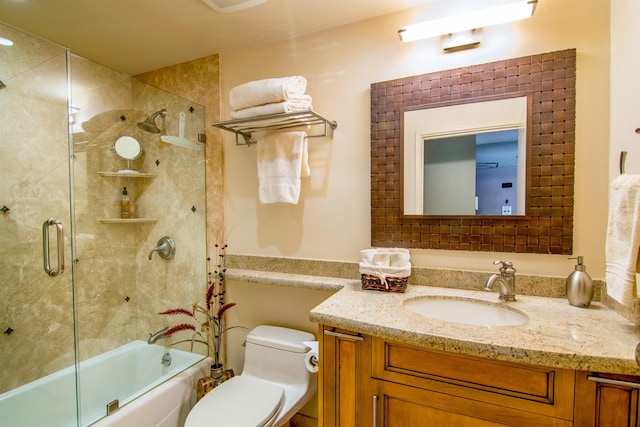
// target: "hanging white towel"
[[623, 239], [282, 160], [273, 108], [259, 92]]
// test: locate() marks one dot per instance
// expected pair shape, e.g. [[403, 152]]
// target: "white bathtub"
[[133, 374]]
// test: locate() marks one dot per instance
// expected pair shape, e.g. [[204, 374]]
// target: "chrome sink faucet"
[[153, 338], [507, 280]]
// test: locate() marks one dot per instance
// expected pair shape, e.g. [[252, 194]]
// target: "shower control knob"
[[166, 248]]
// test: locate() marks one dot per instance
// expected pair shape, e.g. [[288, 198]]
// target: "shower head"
[[149, 125]]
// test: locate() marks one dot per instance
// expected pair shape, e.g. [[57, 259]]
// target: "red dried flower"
[[180, 327], [210, 295], [178, 311], [224, 308]]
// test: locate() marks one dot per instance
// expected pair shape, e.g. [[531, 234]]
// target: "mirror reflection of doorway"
[[475, 174]]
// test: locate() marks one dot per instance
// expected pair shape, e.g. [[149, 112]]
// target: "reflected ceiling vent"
[[226, 6]]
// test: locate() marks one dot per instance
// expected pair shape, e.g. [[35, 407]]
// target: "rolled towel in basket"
[[267, 91], [273, 108], [385, 269], [394, 257]]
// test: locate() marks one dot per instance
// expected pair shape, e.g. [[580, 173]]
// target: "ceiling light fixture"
[[495, 15], [461, 40], [226, 6]]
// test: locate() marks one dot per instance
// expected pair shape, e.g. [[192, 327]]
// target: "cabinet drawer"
[[542, 390], [400, 405]]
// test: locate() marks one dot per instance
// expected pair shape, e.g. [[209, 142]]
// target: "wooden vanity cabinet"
[[344, 388], [604, 400], [420, 387], [368, 381]]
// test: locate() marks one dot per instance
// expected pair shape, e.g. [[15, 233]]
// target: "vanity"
[[385, 364]]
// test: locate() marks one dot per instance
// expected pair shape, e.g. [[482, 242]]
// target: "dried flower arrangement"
[[212, 328]]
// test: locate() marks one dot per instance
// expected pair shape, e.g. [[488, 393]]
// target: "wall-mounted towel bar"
[[277, 122]]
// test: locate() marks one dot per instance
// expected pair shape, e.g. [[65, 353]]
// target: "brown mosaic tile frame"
[[549, 80]]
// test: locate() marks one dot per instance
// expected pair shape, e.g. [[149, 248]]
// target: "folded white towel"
[[282, 161], [273, 108], [623, 239], [267, 91]]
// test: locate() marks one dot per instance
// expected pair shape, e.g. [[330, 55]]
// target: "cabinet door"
[[604, 400], [346, 372], [403, 405], [399, 405]]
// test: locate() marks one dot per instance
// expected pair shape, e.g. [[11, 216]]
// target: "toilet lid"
[[240, 401]]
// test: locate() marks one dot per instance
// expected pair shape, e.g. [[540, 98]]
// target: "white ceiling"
[[134, 36]]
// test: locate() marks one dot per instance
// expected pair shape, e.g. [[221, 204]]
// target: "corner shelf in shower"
[[128, 220], [277, 122], [139, 175]]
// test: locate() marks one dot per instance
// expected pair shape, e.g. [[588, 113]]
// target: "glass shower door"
[[36, 306]]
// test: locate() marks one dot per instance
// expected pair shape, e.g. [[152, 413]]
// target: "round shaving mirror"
[[129, 149]]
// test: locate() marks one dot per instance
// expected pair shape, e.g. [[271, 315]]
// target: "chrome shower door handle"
[[45, 247]]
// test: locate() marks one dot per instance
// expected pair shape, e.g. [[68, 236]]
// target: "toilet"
[[275, 383]]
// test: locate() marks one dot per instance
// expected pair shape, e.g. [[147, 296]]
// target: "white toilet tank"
[[277, 354]]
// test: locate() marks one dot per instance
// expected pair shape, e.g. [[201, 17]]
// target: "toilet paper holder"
[[311, 358]]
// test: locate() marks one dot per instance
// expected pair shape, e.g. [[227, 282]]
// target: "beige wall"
[[332, 220], [625, 86]]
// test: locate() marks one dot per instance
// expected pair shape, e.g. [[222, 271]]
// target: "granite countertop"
[[556, 334]]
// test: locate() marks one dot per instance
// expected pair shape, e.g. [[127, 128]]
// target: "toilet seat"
[[240, 401]]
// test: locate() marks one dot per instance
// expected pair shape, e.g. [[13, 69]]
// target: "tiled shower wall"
[[120, 291]]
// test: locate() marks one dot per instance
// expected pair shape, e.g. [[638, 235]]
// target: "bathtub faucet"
[[166, 359], [153, 338], [506, 279]]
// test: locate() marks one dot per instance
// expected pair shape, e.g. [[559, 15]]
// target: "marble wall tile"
[[121, 291]]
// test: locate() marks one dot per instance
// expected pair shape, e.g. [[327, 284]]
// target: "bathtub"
[[149, 393]]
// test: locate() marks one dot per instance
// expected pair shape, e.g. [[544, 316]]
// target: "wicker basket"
[[394, 284]]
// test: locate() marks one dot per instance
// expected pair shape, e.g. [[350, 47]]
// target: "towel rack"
[[623, 159], [275, 122]]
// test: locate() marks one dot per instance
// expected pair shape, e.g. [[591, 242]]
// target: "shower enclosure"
[[60, 192]]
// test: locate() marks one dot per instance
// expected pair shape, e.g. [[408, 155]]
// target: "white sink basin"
[[465, 310]]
